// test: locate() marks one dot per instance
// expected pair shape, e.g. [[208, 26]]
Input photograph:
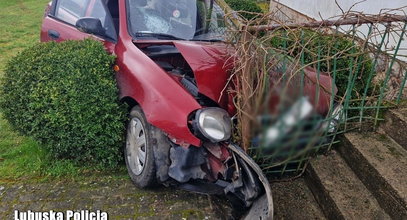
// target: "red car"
[[171, 69]]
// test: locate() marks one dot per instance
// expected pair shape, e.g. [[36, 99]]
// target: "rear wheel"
[[139, 153]]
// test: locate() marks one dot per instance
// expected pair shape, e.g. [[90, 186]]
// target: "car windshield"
[[201, 20]]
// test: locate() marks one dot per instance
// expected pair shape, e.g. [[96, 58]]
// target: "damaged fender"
[[262, 207]]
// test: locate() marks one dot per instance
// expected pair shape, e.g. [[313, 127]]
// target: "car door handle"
[[53, 34]]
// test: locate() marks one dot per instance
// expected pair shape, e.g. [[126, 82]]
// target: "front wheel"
[[139, 153]]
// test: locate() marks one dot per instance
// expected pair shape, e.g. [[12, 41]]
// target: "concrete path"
[[116, 196], [122, 200]]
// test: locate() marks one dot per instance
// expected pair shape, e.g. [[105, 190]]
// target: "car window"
[[99, 10], [70, 10]]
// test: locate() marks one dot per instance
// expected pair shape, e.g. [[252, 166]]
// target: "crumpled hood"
[[210, 64]]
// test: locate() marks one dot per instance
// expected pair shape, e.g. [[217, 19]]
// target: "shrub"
[[64, 95], [245, 5]]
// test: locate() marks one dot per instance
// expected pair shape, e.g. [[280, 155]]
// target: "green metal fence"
[[363, 55]]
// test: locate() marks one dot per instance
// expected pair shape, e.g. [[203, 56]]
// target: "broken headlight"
[[214, 124], [337, 117]]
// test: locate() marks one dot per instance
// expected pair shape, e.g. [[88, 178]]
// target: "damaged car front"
[[174, 68]]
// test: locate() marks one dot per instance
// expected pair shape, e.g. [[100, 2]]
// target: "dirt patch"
[[293, 200]]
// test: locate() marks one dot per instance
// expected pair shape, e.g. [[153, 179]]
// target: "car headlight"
[[337, 117], [214, 124]]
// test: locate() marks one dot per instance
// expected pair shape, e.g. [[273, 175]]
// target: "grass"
[[20, 25], [21, 158]]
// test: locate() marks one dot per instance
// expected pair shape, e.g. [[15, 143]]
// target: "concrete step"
[[294, 200], [381, 164], [339, 191], [395, 126]]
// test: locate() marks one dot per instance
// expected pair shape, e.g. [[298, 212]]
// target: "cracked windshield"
[[200, 20]]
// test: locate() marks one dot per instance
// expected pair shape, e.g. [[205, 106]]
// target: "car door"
[[59, 23]]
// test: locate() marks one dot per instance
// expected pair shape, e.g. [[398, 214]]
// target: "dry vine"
[[268, 79]]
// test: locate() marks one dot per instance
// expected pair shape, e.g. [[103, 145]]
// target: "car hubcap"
[[136, 146]]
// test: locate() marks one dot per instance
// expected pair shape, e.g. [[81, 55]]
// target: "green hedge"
[[245, 5], [64, 95]]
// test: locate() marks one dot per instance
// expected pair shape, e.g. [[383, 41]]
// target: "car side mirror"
[[91, 26]]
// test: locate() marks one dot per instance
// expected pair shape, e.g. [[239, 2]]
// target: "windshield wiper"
[[163, 36], [207, 40], [157, 35]]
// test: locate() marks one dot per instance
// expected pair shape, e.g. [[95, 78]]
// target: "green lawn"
[[21, 157], [20, 26]]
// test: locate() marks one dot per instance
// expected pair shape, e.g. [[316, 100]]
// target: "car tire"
[[139, 150]]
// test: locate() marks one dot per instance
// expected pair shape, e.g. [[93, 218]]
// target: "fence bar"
[[403, 84], [329, 23], [372, 71], [382, 89], [331, 108], [352, 75], [302, 59]]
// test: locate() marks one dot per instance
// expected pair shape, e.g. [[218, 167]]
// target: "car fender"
[[165, 103]]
